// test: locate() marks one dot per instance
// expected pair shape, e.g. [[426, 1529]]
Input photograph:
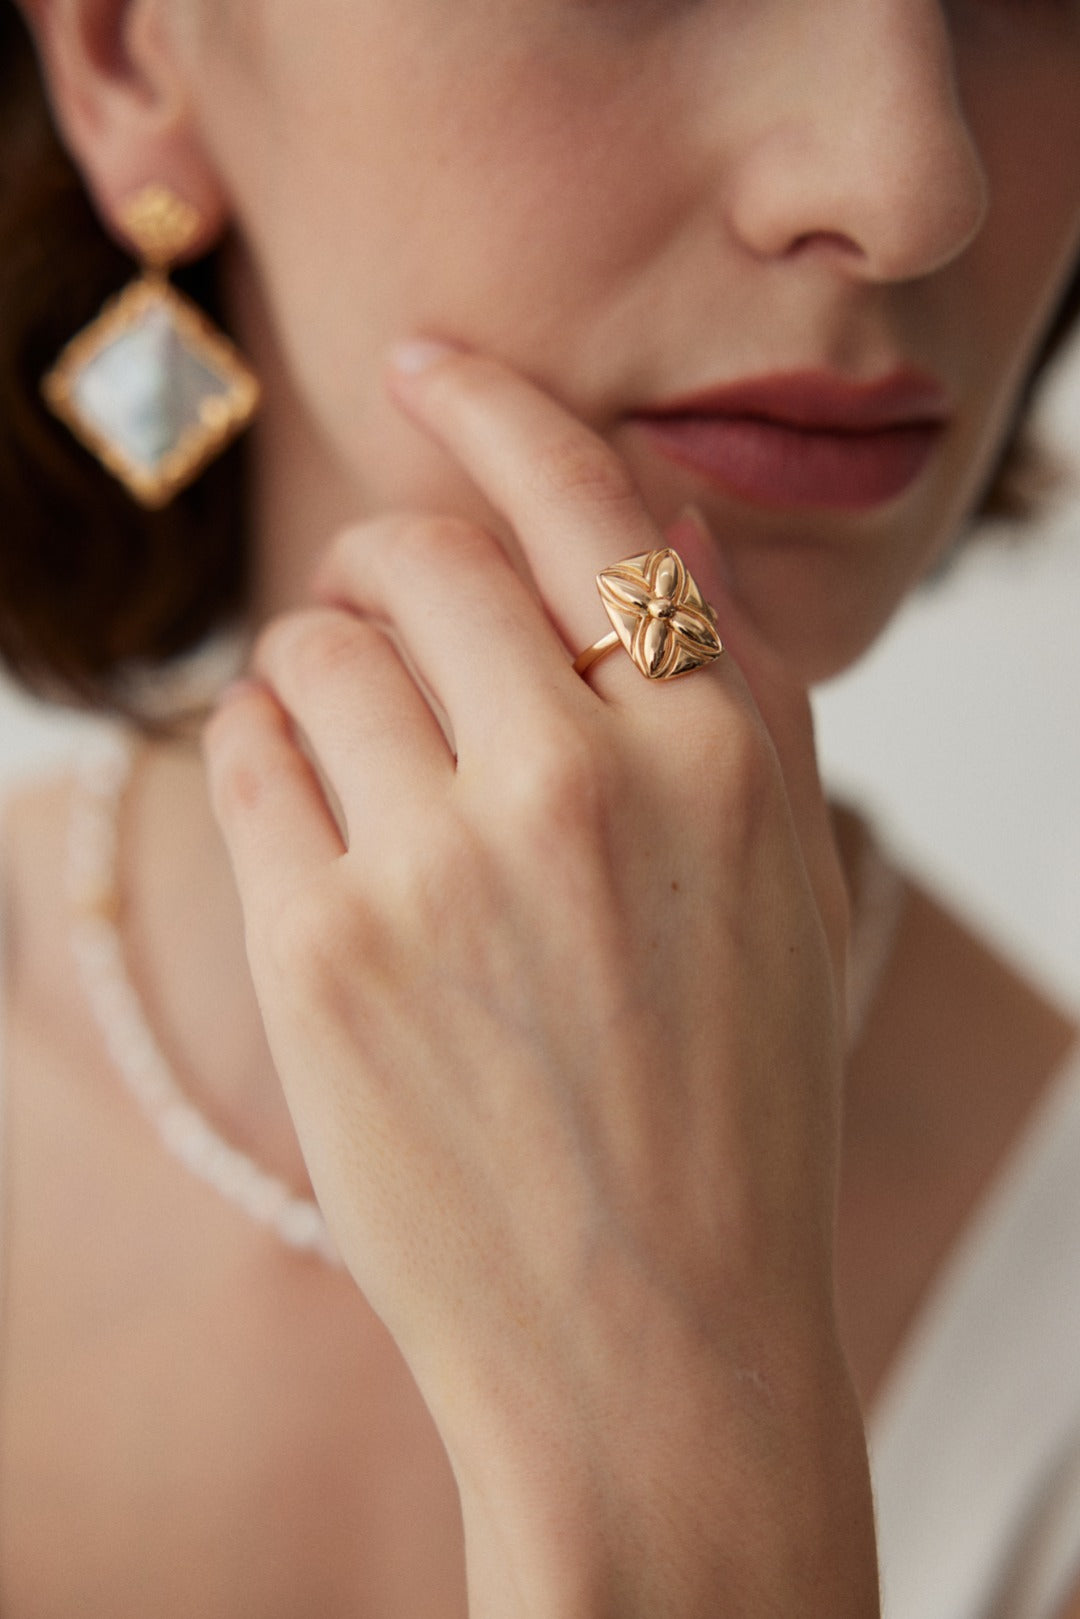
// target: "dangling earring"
[[151, 387]]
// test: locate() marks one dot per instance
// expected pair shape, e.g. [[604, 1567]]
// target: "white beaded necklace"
[[97, 945], [184, 1130]]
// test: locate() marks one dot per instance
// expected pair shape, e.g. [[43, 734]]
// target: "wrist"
[[703, 1487]]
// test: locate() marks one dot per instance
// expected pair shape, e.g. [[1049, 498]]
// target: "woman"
[[545, 982]]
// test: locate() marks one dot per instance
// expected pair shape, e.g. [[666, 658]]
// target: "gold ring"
[[659, 615]]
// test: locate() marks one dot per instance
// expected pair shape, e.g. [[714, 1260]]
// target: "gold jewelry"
[[151, 387], [659, 614]]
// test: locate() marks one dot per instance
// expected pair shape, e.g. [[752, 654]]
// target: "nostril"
[[865, 158], [835, 239]]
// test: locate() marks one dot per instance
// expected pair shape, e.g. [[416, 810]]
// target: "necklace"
[[97, 946], [184, 1130]]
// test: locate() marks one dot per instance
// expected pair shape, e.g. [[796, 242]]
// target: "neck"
[[184, 939], [300, 493]]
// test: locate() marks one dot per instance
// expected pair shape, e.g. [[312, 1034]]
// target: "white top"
[[975, 1447]]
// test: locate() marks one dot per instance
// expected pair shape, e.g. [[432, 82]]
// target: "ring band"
[[658, 614]]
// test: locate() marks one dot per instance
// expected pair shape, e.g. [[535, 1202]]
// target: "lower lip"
[[776, 465]]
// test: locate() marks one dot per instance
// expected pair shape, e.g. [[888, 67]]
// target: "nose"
[[860, 148]]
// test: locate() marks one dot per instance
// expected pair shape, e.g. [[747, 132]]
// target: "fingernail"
[[413, 358]]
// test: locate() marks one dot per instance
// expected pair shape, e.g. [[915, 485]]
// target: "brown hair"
[[90, 584]]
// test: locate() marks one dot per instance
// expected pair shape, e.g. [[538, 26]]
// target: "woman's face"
[[635, 200]]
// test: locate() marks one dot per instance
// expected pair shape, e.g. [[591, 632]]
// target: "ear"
[[116, 72]]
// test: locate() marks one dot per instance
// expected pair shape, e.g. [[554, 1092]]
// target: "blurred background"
[[960, 733]]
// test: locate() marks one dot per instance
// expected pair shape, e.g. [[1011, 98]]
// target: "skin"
[[735, 189], [710, 165]]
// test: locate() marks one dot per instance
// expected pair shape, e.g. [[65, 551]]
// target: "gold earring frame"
[[161, 226]]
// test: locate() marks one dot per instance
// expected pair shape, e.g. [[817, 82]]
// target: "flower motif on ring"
[[659, 614]]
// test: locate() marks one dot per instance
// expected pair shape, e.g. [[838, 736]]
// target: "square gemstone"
[[152, 389], [145, 389]]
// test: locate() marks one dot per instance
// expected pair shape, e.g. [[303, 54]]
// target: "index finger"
[[569, 498]]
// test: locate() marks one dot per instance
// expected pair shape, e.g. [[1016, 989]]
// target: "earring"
[[151, 387]]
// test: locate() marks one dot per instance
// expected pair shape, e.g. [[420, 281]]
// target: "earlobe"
[[119, 95]]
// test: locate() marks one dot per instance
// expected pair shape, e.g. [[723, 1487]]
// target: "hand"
[[557, 1018]]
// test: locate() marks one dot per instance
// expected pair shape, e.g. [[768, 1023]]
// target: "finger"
[[273, 816], [469, 627], [373, 734], [567, 495]]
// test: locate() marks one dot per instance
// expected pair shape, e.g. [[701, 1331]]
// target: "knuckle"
[[309, 941], [367, 565], [338, 562], [438, 879], [423, 540], [309, 646], [244, 759], [577, 465], [286, 939], [273, 642], [717, 750], [752, 786], [559, 787], [239, 784]]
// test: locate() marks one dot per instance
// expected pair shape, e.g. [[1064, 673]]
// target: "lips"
[[811, 439]]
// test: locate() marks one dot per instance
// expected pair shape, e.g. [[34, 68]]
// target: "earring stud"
[[152, 387]]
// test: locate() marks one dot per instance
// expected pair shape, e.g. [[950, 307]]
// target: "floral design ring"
[[658, 614]]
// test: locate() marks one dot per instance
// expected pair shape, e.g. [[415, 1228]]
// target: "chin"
[[815, 608]]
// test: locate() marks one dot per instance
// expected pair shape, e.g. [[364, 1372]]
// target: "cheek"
[[501, 197]]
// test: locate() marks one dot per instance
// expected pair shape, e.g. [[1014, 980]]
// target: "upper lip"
[[821, 400]]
